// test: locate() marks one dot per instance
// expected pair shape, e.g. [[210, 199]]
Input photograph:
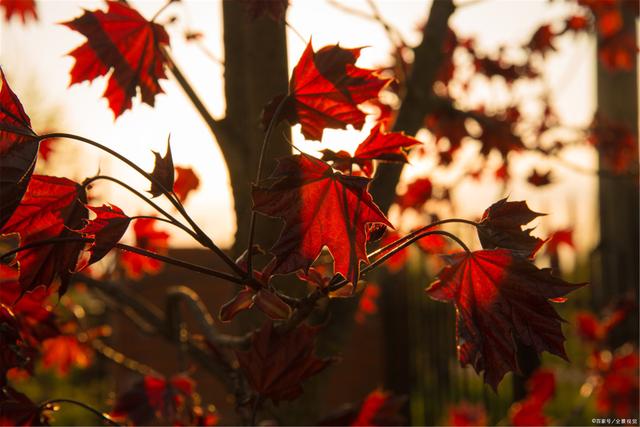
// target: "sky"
[[33, 56]]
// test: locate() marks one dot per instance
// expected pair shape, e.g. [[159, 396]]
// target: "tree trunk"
[[617, 254], [255, 72]]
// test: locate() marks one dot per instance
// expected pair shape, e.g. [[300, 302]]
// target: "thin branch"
[[50, 404], [122, 360], [180, 263]]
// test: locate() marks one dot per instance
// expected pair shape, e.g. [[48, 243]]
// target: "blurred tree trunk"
[[617, 254], [255, 71], [419, 99]]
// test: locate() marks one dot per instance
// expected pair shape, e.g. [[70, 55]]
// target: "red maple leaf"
[[277, 364], [500, 298], [416, 195], [378, 146], [619, 390], [466, 414], [121, 40], [151, 239], [156, 399], [529, 411], [560, 237], [37, 321], [501, 227], [51, 208], [186, 182], [106, 229], [63, 352], [539, 179], [18, 151], [378, 408], [325, 90], [320, 208], [22, 8]]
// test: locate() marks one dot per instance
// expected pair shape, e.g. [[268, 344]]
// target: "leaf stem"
[[263, 152], [48, 404], [180, 263], [397, 249], [202, 237], [170, 219], [419, 231]]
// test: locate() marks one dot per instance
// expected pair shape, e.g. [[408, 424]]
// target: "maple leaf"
[[151, 239], [155, 399], [378, 408], [186, 182], [500, 298], [277, 364], [18, 151], [501, 227], [368, 304], [320, 208], [51, 208], [618, 391], [34, 314], [22, 8], [466, 414], [106, 229], [16, 409], [540, 389], [539, 179], [377, 146], [416, 194], [62, 352], [163, 173], [121, 40], [560, 237], [325, 90]]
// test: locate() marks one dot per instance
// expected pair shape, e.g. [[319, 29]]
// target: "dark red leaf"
[[155, 399], [51, 208], [618, 392], [186, 182], [467, 414], [500, 298], [417, 194], [107, 228], [35, 315], [378, 146], [163, 173], [121, 40], [560, 237], [325, 90], [22, 8], [320, 208], [18, 151], [271, 305], [16, 409], [276, 365], [243, 300], [368, 304], [539, 179], [379, 408], [501, 227], [151, 239]]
